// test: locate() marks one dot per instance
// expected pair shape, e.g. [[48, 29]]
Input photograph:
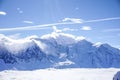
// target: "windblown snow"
[[56, 50]]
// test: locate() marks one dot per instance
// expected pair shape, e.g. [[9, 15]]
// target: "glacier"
[[55, 50]]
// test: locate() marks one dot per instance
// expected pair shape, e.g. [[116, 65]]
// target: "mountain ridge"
[[56, 50]]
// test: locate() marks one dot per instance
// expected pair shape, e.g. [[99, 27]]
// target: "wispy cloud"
[[69, 29], [80, 38], [62, 30], [15, 36], [19, 10], [86, 28], [3, 13], [56, 30], [64, 22], [74, 20], [29, 22]]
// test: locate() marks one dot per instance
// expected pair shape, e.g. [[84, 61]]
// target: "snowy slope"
[[56, 50], [60, 74]]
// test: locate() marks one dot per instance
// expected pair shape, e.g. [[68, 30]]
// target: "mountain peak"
[[62, 38], [57, 48]]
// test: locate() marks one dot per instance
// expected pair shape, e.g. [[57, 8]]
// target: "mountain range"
[[55, 50]]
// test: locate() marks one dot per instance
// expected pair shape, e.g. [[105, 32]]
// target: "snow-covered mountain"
[[56, 50]]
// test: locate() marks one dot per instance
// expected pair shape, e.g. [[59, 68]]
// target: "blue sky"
[[97, 20]]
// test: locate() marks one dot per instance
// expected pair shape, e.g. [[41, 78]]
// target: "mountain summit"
[[56, 50]]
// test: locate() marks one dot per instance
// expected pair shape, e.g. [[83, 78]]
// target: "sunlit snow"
[[60, 74]]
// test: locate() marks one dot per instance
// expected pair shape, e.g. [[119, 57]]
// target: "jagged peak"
[[32, 37], [15, 46], [98, 44], [105, 45]]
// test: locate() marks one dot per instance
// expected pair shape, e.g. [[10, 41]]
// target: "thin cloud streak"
[[86, 28], [3, 13], [74, 20], [105, 19], [29, 22], [44, 26]]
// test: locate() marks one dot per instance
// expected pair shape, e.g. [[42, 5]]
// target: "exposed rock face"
[[117, 76], [56, 50]]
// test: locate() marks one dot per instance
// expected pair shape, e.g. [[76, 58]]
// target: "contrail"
[[44, 26], [35, 27], [105, 19]]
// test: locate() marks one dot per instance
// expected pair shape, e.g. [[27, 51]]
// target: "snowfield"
[[60, 74]]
